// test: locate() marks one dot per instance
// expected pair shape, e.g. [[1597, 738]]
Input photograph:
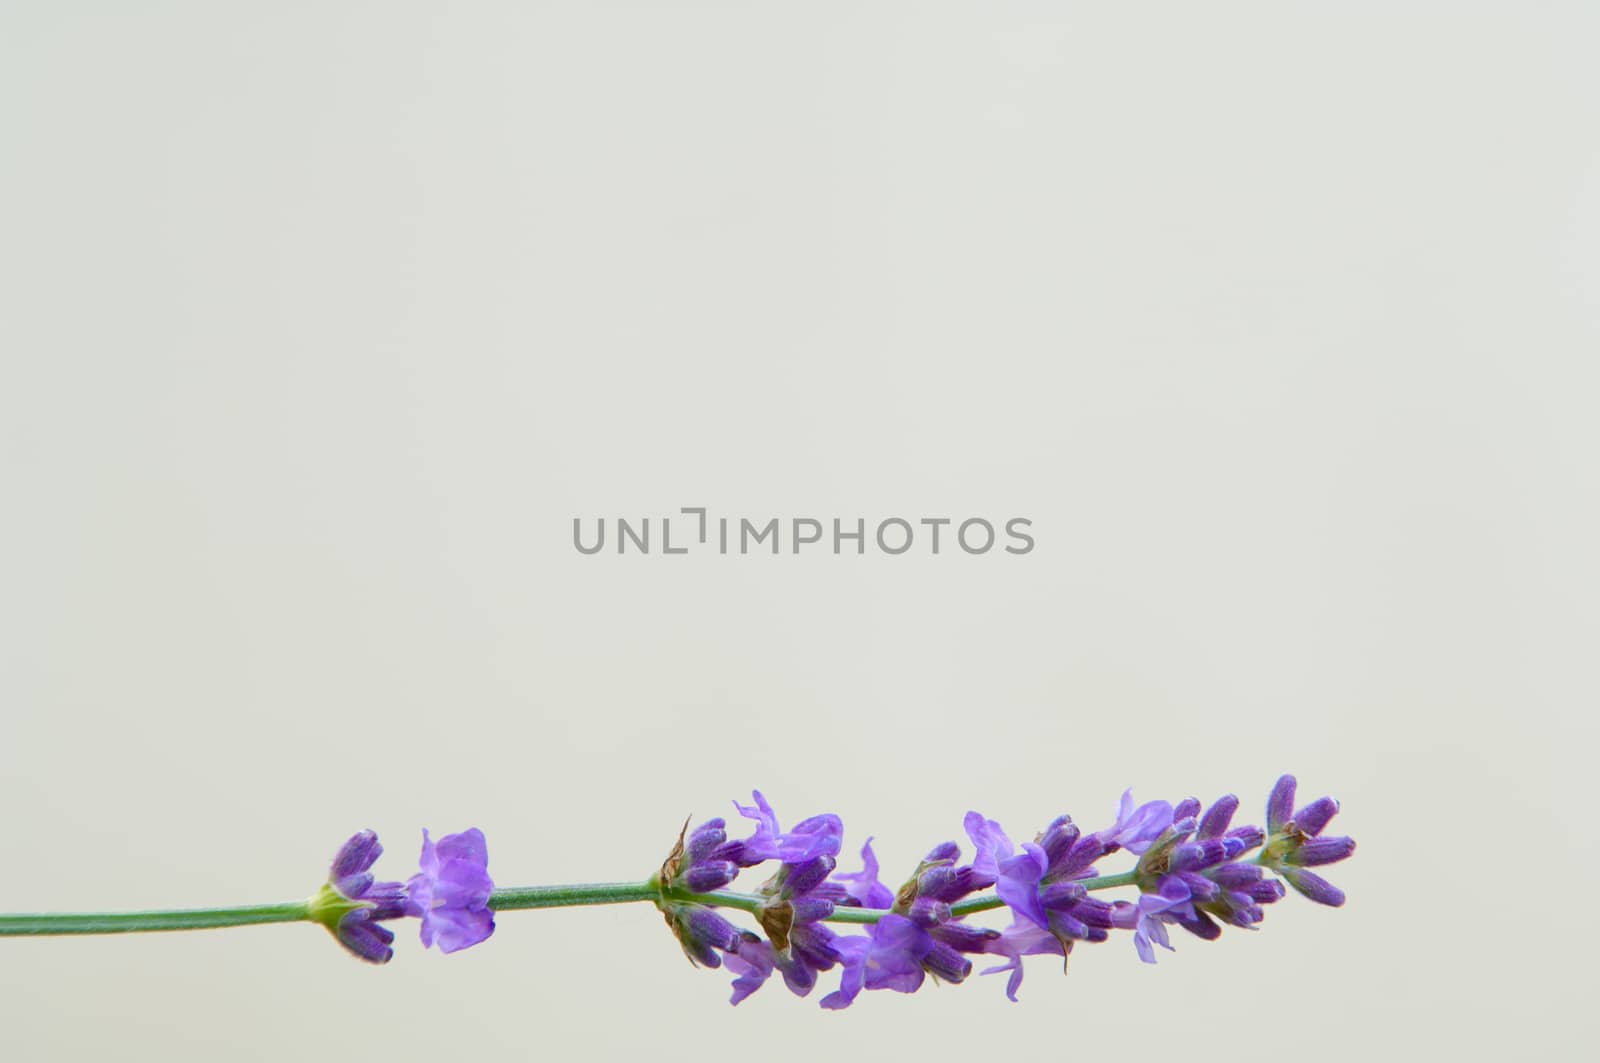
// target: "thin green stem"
[[140, 922], [505, 900]]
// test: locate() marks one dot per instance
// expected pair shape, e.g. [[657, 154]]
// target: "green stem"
[[137, 922], [501, 900], [505, 900]]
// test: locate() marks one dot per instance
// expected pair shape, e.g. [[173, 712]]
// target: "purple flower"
[[1016, 876], [1136, 828], [702, 933], [1191, 871], [353, 902], [1295, 843], [753, 961], [797, 898], [863, 886], [451, 892], [1023, 938], [1190, 877], [889, 956], [811, 838], [706, 862], [1150, 929], [920, 937]]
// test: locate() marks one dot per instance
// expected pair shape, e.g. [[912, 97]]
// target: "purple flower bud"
[[963, 937], [1251, 836], [1199, 924], [1280, 804], [944, 852], [1236, 876], [1240, 910], [703, 878], [1266, 891], [934, 881], [1314, 887], [1058, 838], [1311, 819], [1200, 888], [1095, 912], [355, 856], [703, 933], [1319, 851], [707, 837], [368, 940], [1066, 925], [1218, 816], [946, 964], [803, 878], [1188, 808], [966, 880], [810, 947], [1195, 856], [353, 902], [926, 912], [1061, 894], [1078, 860], [811, 909]]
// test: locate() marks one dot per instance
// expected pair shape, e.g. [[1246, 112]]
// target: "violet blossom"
[[352, 903], [451, 892]]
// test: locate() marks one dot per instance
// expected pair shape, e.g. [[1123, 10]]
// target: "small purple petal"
[[863, 885], [991, 843], [451, 892]]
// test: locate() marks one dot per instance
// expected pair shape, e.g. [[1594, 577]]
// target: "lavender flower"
[[1136, 828], [702, 932], [352, 903], [1039, 885], [811, 838], [1015, 877], [1295, 843], [920, 936], [451, 892], [1192, 871], [889, 956], [797, 898], [706, 862]]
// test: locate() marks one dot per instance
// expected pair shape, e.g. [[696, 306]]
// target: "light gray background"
[[320, 322]]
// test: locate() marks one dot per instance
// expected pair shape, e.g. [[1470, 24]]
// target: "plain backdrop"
[[319, 324]]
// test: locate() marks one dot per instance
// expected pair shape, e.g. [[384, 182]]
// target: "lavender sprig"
[[1194, 870]]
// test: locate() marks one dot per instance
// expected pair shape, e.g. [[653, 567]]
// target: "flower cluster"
[[450, 895], [1194, 870]]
